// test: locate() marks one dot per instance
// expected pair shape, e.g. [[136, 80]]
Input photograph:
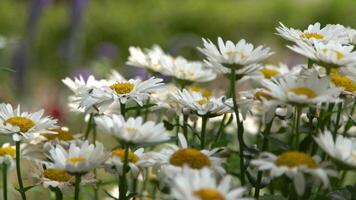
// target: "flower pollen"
[[191, 157], [269, 73], [344, 82], [209, 194], [60, 135], [122, 88], [312, 35], [303, 91], [295, 159], [7, 151], [75, 160], [57, 175], [23, 123], [132, 157]]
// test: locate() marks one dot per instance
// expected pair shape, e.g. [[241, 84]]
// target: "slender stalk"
[[89, 126], [18, 171], [57, 192], [185, 126], [123, 109], [297, 134], [4, 180], [263, 148], [78, 178], [221, 127], [338, 116], [203, 131], [240, 128], [122, 178]]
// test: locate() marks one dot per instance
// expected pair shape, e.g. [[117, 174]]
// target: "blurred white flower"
[[7, 154]]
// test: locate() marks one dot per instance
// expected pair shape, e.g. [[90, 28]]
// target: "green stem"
[[297, 134], [240, 128], [122, 178], [89, 126], [18, 171], [203, 131], [338, 116], [185, 126], [263, 148], [123, 109], [78, 178], [57, 192], [4, 180], [221, 128]]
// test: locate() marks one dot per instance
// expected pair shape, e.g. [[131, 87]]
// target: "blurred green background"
[[47, 40]]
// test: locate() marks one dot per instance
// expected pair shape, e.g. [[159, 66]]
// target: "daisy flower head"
[[201, 105], [78, 159], [23, 125], [271, 71], [7, 154], [302, 90], [345, 78], [188, 71], [171, 159], [342, 149], [133, 89], [295, 165], [335, 32], [228, 54], [149, 59], [329, 55], [58, 178], [132, 130], [192, 184], [136, 161]]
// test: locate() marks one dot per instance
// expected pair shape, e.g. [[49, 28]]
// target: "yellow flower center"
[[202, 102], [23, 123], [344, 82], [61, 135], [209, 194], [122, 88], [57, 175], [132, 157], [269, 73], [295, 159], [339, 54], [75, 160], [312, 35], [303, 91], [7, 151], [191, 157], [260, 95], [205, 92]]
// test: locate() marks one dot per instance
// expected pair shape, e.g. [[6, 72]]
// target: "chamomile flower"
[[132, 130], [270, 71], [136, 161], [133, 89], [328, 55], [196, 102], [7, 154], [148, 58], [171, 159], [184, 70], [228, 54], [58, 178], [202, 185], [23, 125], [302, 90], [342, 149], [78, 159], [345, 79], [314, 32], [295, 165]]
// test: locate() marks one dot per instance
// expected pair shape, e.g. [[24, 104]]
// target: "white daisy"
[[302, 90], [23, 125], [228, 54], [345, 79], [132, 130], [328, 55], [271, 71], [58, 178], [148, 58], [7, 154], [184, 70], [342, 150], [136, 161], [78, 159], [202, 185], [335, 32], [171, 159], [196, 102], [133, 89], [295, 164]]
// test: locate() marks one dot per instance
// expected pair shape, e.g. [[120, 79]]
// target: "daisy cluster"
[[292, 134]]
